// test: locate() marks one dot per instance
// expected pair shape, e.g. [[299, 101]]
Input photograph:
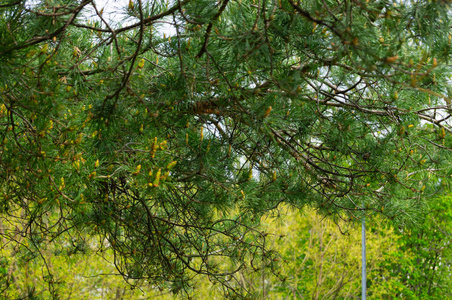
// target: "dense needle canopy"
[[169, 128]]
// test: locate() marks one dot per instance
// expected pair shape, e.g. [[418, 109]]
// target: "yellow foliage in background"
[[319, 259]]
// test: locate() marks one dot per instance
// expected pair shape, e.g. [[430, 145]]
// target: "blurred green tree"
[[426, 273]]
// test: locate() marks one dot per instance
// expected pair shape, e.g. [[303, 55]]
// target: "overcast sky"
[[113, 13]]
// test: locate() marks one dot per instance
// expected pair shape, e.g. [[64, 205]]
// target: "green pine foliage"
[[169, 129]]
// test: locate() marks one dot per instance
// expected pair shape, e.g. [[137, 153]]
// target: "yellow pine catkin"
[[137, 170], [171, 165], [442, 133], [156, 181], [250, 174], [79, 138], [154, 147], [267, 112], [141, 64]]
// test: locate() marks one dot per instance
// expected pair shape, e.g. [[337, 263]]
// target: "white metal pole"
[[363, 280]]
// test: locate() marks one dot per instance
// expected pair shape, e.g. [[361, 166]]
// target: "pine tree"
[[171, 132]]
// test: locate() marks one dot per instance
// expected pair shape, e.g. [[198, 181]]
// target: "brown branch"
[[308, 16], [209, 29], [38, 39]]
